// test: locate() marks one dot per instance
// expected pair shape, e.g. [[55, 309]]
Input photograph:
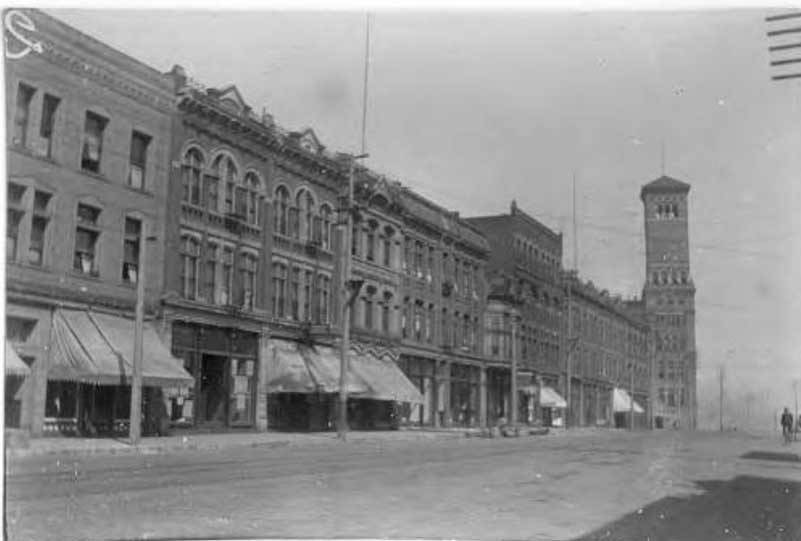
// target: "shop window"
[[24, 97], [92, 150], [138, 159], [49, 106], [61, 400], [130, 252], [87, 235]]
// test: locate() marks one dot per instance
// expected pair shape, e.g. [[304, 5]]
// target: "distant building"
[[524, 274], [89, 135], [669, 297], [610, 359]]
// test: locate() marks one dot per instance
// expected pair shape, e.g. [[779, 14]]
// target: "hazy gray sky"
[[475, 109]]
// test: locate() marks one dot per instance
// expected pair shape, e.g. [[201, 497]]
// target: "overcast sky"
[[476, 109]]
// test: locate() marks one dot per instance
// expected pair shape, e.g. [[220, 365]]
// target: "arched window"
[[325, 233], [253, 189], [281, 203], [234, 201], [305, 205], [191, 174]]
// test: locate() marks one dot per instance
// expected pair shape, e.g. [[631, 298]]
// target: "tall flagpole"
[[348, 287]]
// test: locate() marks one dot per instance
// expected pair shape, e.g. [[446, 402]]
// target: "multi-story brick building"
[[524, 269], [669, 297], [442, 297], [89, 132], [610, 358]]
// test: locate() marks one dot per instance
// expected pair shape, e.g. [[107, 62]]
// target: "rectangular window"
[[354, 241], [92, 150], [387, 251], [210, 272], [249, 267], [49, 107], [86, 239], [385, 317], [241, 202], [139, 144], [279, 289], [294, 292], [227, 276], [190, 251], [368, 313], [130, 258], [429, 323], [316, 302], [24, 96], [14, 217], [41, 200], [308, 277], [229, 197], [370, 245], [212, 194], [324, 318]]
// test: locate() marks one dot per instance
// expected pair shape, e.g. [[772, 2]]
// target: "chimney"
[[513, 207], [178, 76]]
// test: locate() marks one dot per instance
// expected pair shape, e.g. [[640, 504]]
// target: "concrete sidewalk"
[[67, 446]]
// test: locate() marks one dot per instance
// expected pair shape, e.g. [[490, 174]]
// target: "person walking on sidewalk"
[[787, 425]]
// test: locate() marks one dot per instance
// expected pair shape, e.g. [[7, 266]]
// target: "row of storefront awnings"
[[301, 368], [623, 403], [91, 347]]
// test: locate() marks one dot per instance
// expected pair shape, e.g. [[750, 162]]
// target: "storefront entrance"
[[223, 363]]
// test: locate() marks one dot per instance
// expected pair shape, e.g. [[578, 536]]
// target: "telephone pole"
[[135, 428], [720, 377]]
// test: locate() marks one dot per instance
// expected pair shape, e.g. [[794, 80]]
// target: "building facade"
[[89, 133], [610, 358], [669, 297], [524, 271]]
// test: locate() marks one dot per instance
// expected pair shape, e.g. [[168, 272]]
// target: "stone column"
[[266, 362]]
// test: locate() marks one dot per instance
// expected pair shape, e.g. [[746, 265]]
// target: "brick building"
[[524, 271], [610, 359], [669, 297], [88, 142]]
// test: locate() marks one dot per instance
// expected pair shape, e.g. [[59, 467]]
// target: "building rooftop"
[[665, 184]]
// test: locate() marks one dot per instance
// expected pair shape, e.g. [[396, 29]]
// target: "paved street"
[[591, 485]]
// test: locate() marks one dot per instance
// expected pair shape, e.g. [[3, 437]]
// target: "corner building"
[[524, 315], [669, 297], [89, 135]]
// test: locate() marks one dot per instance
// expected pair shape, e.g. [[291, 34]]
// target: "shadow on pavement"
[[745, 507], [769, 455]]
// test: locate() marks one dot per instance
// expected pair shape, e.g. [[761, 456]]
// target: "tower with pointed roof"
[[669, 297]]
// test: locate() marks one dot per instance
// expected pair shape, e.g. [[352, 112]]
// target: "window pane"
[[49, 106]]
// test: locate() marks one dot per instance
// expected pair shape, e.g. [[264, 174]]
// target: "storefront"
[[465, 397], [499, 383], [303, 382], [626, 410], [422, 373], [553, 407], [88, 387], [223, 363]]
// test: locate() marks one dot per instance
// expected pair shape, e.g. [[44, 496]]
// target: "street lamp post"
[[795, 392]]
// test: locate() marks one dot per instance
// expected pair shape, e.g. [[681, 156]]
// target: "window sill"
[[78, 274], [31, 154], [26, 265], [141, 191], [92, 174]]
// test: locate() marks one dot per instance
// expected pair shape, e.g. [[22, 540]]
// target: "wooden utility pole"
[[631, 396], [513, 398], [720, 377], [135, 428]]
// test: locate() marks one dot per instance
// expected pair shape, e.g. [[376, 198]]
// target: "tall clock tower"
[[669, 297]]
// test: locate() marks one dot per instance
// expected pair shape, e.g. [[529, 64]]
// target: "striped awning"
[[14, 365], [385, 379], [91, 347], [622, 402]]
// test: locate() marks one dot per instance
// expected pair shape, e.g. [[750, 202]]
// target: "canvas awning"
[[622, 402], [551, 399], [299, 368], [98, 348], [14, 365], [386, 380]]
